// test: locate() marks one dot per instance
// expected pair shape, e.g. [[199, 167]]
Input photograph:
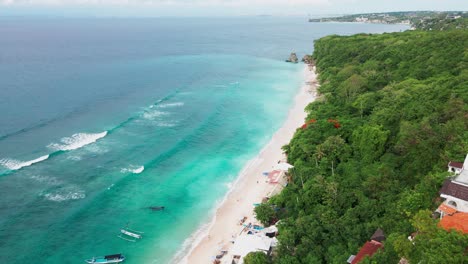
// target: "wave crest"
[[77, 141], [133, 169], [12, 164]]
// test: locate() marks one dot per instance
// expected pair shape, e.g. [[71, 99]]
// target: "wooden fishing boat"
[[156, 208], [115, 258]]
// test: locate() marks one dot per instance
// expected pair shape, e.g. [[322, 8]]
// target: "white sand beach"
[[251, 185]]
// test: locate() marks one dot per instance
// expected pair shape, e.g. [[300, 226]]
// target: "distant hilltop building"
[[453, 17], [362, 19]]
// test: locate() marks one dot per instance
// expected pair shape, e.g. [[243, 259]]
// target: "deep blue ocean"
[[102, 118]]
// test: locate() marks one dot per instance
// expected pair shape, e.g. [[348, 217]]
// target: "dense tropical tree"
[[256, 258]]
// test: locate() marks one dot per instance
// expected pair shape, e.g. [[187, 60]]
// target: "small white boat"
[[116, 258], [129, 234]]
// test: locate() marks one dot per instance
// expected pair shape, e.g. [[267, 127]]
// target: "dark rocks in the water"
[[156, 208], [308, 59], [293, 58]]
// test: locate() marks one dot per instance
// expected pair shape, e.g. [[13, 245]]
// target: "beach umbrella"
[[284, 166]]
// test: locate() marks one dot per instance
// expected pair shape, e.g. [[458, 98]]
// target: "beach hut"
[[270, 231], [245, 244], [283, 166]]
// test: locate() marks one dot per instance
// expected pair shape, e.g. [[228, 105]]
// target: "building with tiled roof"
[[378, 235], [369, 248], [462, 176], [455, 190], [455, 194], [457, 221], [455, 167], [446, 210]]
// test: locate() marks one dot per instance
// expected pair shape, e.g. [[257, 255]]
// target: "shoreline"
[[249, 187]]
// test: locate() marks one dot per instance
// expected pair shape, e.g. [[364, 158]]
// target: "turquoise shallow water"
[[102, 118]]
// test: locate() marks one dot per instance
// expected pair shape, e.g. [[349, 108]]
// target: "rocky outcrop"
[[307, 59], [293, 58]]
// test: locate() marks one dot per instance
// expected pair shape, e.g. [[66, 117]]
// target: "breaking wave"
[[133, 169], [76, 141], [12, 164], [80, 140]]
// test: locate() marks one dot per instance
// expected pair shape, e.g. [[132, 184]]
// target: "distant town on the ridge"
[[425, 20]]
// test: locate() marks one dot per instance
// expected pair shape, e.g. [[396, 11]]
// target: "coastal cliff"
[[308, 59]]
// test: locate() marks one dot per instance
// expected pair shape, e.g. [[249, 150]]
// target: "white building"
[[245, 244], [455, 190]]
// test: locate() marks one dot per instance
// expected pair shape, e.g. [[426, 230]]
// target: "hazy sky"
[[219, 7]]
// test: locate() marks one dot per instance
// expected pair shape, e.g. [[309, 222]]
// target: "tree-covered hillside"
[[374, 150]]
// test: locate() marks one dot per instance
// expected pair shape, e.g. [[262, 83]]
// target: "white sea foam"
[[150, 115], [49, 180], [97, 149], [166, 124], [176, 104], [74, 158], [65, 194], [133, 169], [229, 185], [77, 141], [12, 164]]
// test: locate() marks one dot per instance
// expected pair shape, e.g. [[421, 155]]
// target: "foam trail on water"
[[133, 169], [176, 104], [12, 164], [77, 141]]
